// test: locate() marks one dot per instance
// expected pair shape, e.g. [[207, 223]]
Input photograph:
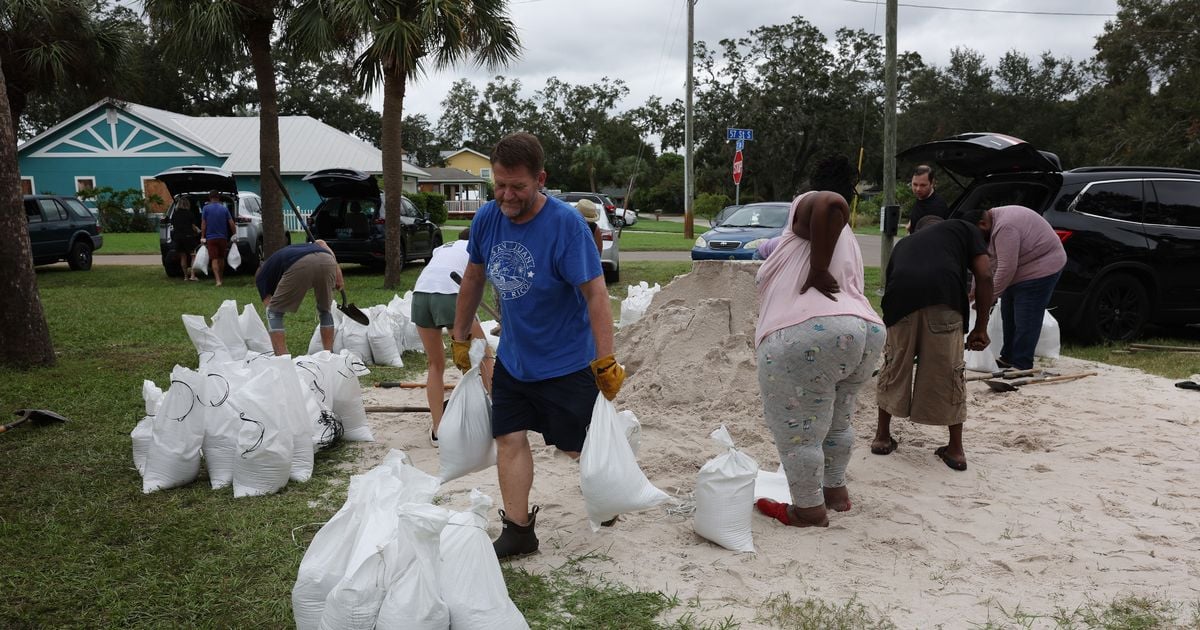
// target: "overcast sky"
[[643, 42]]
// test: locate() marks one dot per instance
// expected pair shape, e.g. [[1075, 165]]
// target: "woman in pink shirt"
[[818, 341], [1028, 257]]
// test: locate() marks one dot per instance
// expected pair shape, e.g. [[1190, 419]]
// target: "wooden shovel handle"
[[1055, 379]]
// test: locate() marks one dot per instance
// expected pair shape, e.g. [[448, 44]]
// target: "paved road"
[[868, 242]]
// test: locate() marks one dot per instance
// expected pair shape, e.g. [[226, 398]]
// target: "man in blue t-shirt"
[[557, 349], [216, 231]]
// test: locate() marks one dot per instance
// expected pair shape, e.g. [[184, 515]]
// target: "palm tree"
[[44, 45], [393, 40], [587, 159], [197, 31]]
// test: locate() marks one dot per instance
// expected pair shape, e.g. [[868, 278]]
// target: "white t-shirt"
[[435, 278]]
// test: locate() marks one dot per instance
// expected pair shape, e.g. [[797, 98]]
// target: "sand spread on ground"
[[1077, 490]]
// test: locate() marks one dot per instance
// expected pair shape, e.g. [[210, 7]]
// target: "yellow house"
[[468, 160]]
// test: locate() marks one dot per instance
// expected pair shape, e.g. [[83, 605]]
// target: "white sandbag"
[[225, 323], [980, 360], [354, 336], [314, 343], [353, 604], [609, 476], [200, 263], [413, 600], [636, 302], [173, 458], [234, 258], [343, 371], [254, 331], [773, 486], [152, 396], [1049, 344], [632, 429], [289, 404], [403, 328], [141, 436], [222, 423], [382, 340], [493, 341], [725, 496], [465, 442], [264, 439], [208, 345], [470, 580]]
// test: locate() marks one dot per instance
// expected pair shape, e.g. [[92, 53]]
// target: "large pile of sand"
[[1075, 490]]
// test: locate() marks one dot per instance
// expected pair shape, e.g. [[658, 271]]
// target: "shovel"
[[352, 311], [1005, 386], [349, 310], [1006, 374], [39, 417], [488, 309]]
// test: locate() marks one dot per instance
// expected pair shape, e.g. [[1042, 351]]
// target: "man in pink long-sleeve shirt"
[[1028, 258]]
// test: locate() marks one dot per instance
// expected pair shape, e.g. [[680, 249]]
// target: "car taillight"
[[611, 208], [1063, 235], [379, 221], [606, 235]]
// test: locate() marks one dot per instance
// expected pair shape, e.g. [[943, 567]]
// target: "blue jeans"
[[1022, 310]]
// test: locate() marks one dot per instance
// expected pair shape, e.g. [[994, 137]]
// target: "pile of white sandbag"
[[390, 559], [1049, 345], [725, 496], [256, 422], [390, 333], [636, 302]]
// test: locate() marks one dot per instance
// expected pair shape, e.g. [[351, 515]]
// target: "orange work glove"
[[609, 375], [461, 351]]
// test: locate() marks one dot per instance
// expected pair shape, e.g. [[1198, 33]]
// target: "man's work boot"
[[516, 540]]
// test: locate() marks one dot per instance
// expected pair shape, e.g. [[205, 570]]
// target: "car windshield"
[[758, 216]]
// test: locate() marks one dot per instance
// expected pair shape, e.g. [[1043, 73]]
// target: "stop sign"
[[737, 168]]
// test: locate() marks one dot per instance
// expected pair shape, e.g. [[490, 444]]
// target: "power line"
[[979, 10]]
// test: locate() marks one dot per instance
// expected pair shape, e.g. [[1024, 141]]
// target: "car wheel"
[[1117, 309], [80, 258], [171, 265], [612, 275]]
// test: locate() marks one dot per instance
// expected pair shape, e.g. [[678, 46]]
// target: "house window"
[[485, 173], [84, 183], [27, 186], [156, 194]]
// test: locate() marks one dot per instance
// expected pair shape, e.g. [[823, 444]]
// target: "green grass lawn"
[[85, 548], [147, 242]]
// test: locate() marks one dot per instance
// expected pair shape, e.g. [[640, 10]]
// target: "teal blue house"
[[123, 145]]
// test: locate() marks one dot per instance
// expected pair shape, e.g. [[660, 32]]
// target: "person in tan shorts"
[[925, 309], [286, 276]]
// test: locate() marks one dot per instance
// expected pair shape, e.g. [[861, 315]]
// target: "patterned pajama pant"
[[810, 375]]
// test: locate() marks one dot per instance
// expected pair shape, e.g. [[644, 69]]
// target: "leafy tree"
[[327, 91], [709, 204], [216, 28], [587, 160], [419, 140], [397, 38]]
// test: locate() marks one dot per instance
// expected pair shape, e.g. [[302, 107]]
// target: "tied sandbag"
[[354, 603], [403, 328], [465, 441], [725, 496], [318, 400], [355, 339], [1049, 344], [636, 302], [143, 432], [609, 476], [980, 360], [470, 579], [413, 601], [343, 371], [225, 324], [366, 522], [200, 264], [315, 345], [290, 406], [234, 258], [264, 456], [254, 331], [381, 338], [222, 424], [208, 345], [177, 433]]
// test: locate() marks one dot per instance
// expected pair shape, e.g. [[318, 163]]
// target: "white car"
[[624, 216], [610, 242]]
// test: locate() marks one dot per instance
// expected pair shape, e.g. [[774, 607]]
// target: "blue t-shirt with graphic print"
[[537, 268]]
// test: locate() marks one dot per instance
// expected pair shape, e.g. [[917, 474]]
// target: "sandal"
[[955, 465], [1188, 385], [885, 450]]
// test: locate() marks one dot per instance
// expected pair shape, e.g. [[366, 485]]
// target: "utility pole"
[[688, 217], [889, 136]]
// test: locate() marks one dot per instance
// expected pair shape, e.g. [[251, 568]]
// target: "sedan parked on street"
[[740, 234]]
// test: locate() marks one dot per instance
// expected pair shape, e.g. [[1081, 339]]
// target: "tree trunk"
[[393, 174], [592, 175], [24, 335], [258, 39]]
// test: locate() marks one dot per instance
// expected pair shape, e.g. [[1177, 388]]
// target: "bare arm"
[[828, 214], [203, 226], [981, 268], [470, 293], [600, 314]]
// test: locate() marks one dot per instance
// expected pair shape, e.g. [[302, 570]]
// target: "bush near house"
[[121, 210], [433, 203]]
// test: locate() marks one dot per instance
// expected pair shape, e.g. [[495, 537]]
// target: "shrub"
[[121, 210], [435, 205], [709, 204]]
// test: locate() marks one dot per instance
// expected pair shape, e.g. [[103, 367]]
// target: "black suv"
[[1132, 234], [62, 228], [350, 219]]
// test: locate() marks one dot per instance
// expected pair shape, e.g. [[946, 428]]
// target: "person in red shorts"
[[217, 230]]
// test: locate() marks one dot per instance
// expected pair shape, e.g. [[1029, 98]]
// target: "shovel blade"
[[355, 313], [1000, 386]]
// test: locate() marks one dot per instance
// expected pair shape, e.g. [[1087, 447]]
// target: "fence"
[[291, 223], [460, 208]]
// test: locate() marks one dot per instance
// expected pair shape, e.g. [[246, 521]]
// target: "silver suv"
[[194, 183]]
